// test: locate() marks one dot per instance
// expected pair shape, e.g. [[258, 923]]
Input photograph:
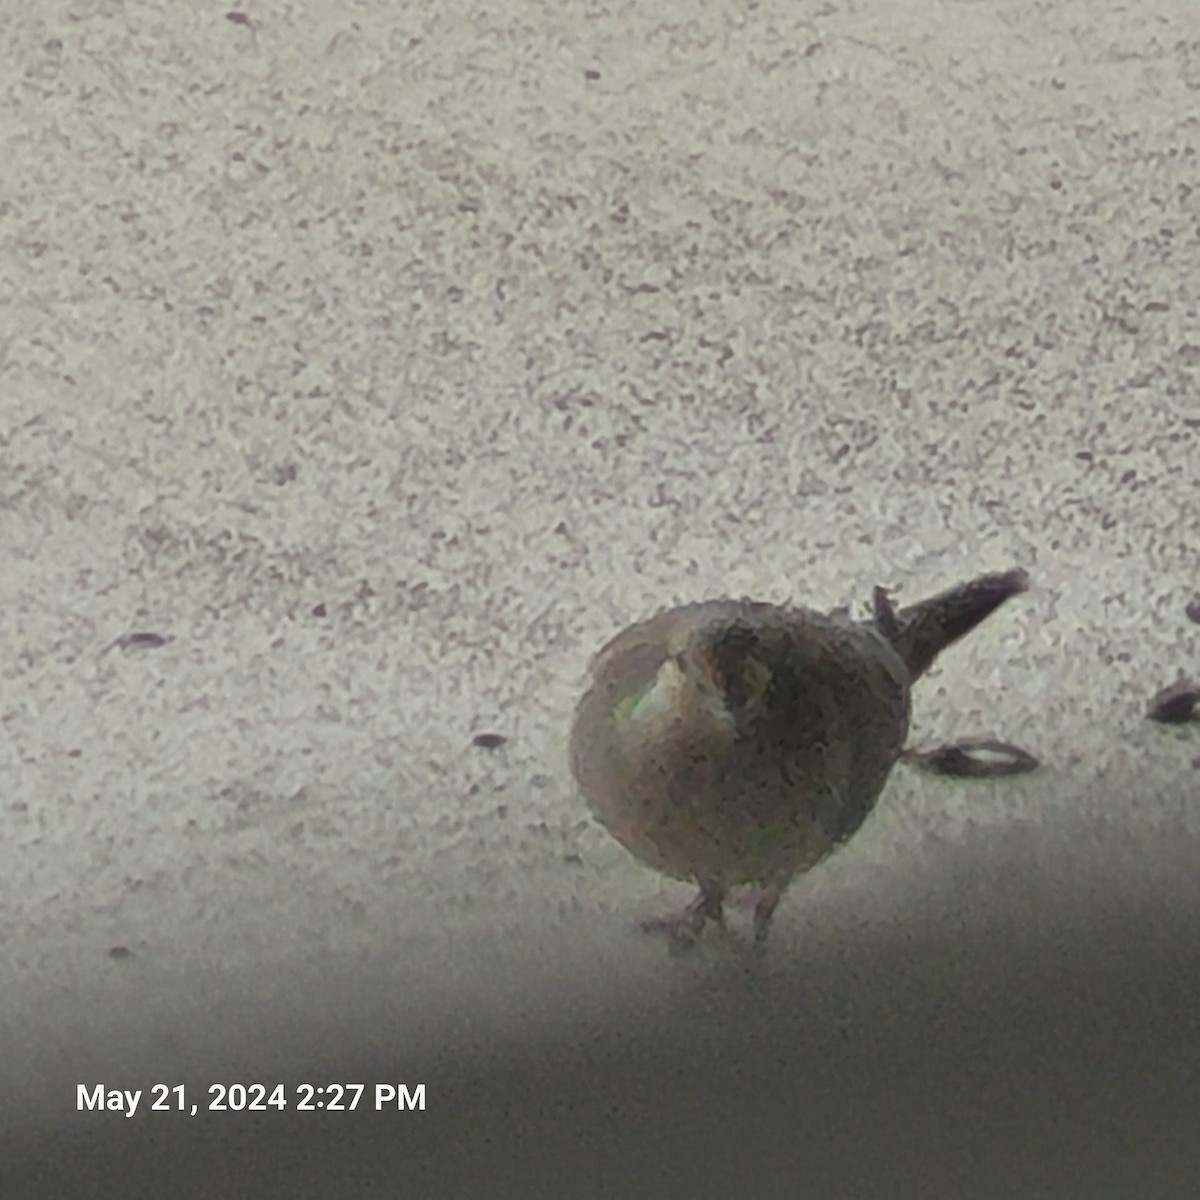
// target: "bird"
[[732, 742]]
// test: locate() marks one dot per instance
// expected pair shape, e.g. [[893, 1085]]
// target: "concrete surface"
[[384, 359]]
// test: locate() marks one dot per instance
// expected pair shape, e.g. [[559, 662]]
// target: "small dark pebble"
[[120, 952], [141, 641], [489, 741], [238, 18], [960, 759], [1174, 704], [1192, 611], [319, 611], [591, 74], [573, 859]]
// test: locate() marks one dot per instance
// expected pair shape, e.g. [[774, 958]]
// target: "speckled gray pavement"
[[383, 359]]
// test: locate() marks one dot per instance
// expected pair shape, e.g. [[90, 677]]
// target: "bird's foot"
[[683, 928], [762, 901]]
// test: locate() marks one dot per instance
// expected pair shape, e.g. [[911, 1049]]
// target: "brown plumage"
[[733, 742]]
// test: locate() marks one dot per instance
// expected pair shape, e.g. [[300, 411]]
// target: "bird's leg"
[[683, 928], [765, 905]]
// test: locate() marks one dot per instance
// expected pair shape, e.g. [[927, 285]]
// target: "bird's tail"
[[923, 630]]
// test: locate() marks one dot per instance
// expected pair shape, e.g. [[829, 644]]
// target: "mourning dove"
[[733, 742]]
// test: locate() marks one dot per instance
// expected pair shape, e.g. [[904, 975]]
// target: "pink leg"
[[683, 928], [764, 908]]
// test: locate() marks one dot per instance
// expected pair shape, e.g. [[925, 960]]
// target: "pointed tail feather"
[[923, 630]]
